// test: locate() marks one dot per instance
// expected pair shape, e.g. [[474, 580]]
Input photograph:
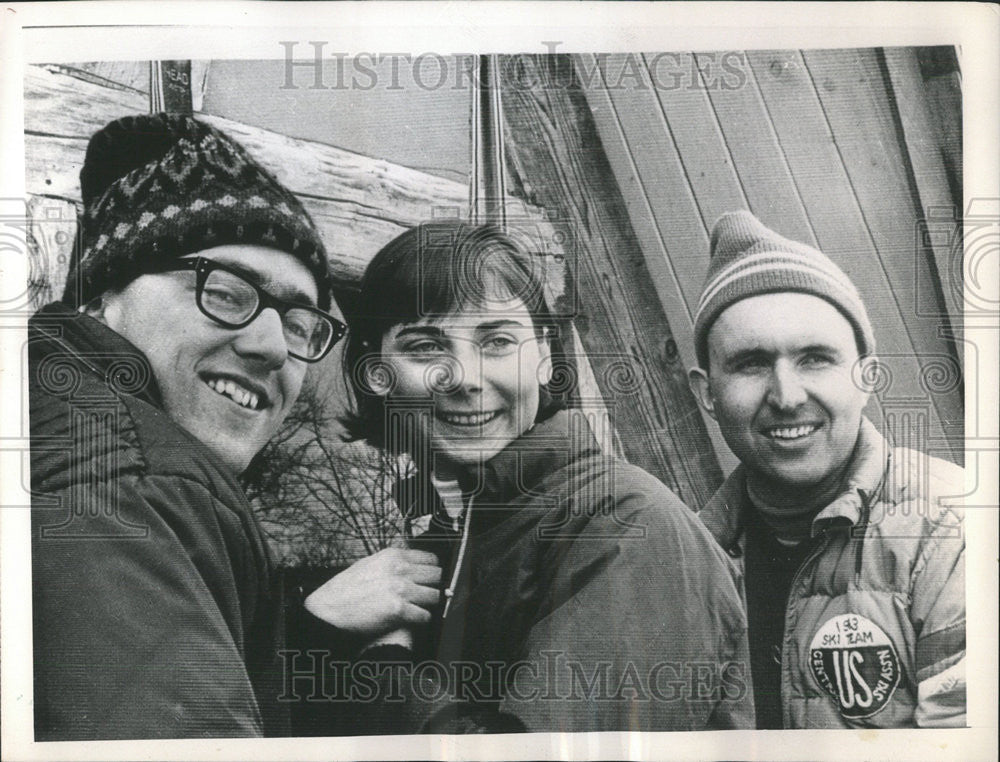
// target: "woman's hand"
[[393, 588]]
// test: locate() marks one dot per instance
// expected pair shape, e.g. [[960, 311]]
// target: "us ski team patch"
[[854, 660]]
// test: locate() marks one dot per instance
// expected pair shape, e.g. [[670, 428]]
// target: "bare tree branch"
[[322, 501]]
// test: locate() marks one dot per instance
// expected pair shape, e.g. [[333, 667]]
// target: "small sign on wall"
[[170, 86]]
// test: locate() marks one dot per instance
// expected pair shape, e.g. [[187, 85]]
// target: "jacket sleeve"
[[138, 631], [645, 630], [938, 613]]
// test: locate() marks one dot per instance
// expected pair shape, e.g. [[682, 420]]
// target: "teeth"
[[237, 393], [792, 432], [469, 420]]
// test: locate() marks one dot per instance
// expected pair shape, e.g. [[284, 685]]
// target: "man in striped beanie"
[[853, 563]]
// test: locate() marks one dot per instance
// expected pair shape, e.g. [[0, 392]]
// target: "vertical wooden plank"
[[630, 110], [661, 207], [855, 96], [557, 159], [799, 122], [922, 147], [694, 129], [939, 69], [756, 155]]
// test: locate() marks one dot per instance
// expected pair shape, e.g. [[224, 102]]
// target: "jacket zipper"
[[449, 592], [820, 547], [859, 549]]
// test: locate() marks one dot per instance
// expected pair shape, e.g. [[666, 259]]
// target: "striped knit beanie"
[[746, 259], [160, 186]]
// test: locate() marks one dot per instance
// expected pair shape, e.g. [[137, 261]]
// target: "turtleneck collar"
[[790, 525]]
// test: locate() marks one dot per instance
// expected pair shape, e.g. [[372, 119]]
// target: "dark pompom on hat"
[[160, 186]]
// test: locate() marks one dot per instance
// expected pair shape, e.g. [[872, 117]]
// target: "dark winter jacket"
[[588, 598], [153, 613]]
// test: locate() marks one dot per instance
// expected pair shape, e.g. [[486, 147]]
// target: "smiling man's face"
[[780, 385], [230, 388]]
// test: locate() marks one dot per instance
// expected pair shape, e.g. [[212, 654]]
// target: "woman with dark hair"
[[579, 593]]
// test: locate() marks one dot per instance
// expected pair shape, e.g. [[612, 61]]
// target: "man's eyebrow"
[[767, 354], [821, 348], [752, 352], [423, 330], [288, 293], [492, 325]]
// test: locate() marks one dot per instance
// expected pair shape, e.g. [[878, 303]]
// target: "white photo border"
[[90, 31]]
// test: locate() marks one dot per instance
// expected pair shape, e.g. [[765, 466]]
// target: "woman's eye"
[[500, 343], [424, 347]]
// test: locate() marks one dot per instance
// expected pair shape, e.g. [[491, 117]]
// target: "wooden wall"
[[359, 203]]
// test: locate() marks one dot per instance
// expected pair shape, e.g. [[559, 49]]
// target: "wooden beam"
[[51, 238], [359, 203], [557, 163], [121, 75], [942, 76], [199, 82], [923, 148]]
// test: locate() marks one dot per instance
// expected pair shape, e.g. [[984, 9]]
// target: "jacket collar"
[[865, 481], [723, 514], [59, 330], [552, 444]]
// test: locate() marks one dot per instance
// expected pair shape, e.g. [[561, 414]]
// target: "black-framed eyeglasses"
[[227, 297]]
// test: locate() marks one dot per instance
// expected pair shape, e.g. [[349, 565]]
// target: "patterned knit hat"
[[747, 259], [160, 186]]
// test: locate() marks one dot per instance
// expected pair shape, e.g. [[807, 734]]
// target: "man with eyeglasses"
[[198, 297]]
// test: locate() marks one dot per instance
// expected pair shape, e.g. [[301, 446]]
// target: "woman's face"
[[472, 378]]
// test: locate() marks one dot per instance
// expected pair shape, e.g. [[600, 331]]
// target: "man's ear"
[[102, 308], [94, 308], [698, 381]]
